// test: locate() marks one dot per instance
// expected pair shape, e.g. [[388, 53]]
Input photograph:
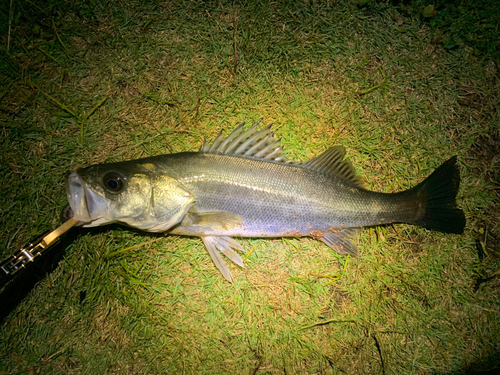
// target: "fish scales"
[[243, 186], [282, 199]]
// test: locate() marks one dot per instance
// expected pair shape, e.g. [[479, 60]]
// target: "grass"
[[85, 83]]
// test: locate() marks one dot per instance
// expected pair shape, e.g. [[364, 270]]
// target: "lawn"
[[402, 85]]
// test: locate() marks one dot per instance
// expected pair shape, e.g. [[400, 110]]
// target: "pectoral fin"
[[340, 241], [208, 223], [225, 245], [215, 220]]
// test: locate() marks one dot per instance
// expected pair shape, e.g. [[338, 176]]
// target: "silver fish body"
[[241, 186], [276, 200]]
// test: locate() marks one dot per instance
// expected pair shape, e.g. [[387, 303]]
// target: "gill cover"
[[168, 202]]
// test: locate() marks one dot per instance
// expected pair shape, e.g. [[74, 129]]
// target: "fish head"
[[138, 195]]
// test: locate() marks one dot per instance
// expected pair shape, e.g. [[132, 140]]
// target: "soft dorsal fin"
[[331, 162], [249, 143]]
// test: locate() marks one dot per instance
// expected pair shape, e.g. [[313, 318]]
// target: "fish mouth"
[[66, 213], [87, 206]]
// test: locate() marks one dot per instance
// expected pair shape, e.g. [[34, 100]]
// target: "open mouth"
[[87, 206], [67, 213], [75, 190]]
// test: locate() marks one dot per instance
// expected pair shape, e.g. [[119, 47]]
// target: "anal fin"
[[340, 241], [224, 245]]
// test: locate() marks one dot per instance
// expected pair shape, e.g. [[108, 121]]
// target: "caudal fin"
[[438, 193]]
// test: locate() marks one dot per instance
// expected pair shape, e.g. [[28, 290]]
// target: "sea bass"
[[243, 186]]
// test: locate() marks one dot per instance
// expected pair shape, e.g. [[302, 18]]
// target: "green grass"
[[85, 83]]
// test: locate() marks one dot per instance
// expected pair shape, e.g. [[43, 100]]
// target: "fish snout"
[[88, 203], [75, 190]]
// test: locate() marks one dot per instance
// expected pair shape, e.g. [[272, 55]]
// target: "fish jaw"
[[87, 206]]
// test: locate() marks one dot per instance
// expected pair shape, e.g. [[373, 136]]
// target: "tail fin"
[[438, 192]]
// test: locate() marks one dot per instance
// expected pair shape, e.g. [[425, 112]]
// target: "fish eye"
[[113, 182]]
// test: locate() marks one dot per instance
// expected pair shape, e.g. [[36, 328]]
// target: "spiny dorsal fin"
[[249, 143], [330, 162]]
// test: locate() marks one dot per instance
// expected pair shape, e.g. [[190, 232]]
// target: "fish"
[[243, 185]]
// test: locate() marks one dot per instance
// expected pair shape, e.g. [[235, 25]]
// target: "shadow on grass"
[[17, 288], [489, 366]]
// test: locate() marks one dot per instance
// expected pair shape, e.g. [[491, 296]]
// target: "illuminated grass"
[[378, 78]]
